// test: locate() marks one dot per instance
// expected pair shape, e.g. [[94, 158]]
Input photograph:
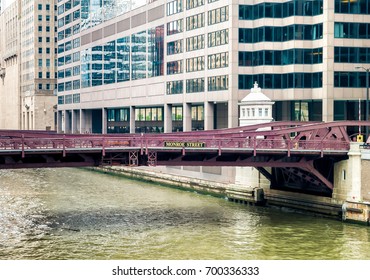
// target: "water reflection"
[[77, 214]]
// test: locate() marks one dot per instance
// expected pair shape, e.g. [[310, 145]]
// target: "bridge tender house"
[[177, 144]]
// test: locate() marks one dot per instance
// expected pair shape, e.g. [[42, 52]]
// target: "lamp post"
[[367, 99]]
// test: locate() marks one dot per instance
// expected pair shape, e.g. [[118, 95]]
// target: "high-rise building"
[[10, 99], [28, 57], [161, 66]]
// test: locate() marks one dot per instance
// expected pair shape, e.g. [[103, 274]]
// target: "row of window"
[[46, 86], [47, 62], [215, 83], [67, 6], [285, 57], [47, 18], [352, 7], [153, 113], [64, 34], [352, 30], [68, 18], [350, 79], [47, 75], [47, 7], [69, 99], [281, 10], [68, 72], [282, 81], [191, 4], [68, 86], [69, 45], [118, 60], [281, 33], [351, 55], [65, 60], [47, 28]]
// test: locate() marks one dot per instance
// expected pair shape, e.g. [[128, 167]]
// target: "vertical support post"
[[64, 145], [22, 145]]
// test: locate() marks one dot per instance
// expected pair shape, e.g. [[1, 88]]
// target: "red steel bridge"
[[290, 154]]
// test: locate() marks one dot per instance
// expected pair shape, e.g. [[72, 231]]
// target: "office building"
[[184, 65], [28, 58]]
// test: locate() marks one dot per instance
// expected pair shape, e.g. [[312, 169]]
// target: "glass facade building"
[[162, 66]]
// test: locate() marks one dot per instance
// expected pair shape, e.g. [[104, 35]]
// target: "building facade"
[[28, 57], [184, 65], [10, 100]]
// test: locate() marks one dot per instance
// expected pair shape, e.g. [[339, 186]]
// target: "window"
[[47, 75], [174, 7], [282, 81], [174, 47], [47, 18], [281, 33], [217, 38], [40, 39], [195, 21], [40, 62], [47, 50], [174, 67], [40, 50], [195, 43], [175, 87], [175, 27], [47, 62], [217, 83], [40, 75], [40, 28], [195, 85], [218, 15], [47, 28], [195, 64], [40, 17], [190, 4], [47, 7], [39, 7], [218, 60]]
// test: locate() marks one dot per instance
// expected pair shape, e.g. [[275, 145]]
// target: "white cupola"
[[255, 108]]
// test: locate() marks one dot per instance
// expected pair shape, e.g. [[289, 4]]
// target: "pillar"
[[104, 120], [167, 117], [347, 176], [187, 117], [132, 119], [208, 115]]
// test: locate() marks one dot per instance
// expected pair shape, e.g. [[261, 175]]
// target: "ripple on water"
[[75, 214]]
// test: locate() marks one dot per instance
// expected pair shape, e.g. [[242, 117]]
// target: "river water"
[[79, 214]]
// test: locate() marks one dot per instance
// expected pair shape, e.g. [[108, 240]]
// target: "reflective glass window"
[[123, 59], [138, 55]]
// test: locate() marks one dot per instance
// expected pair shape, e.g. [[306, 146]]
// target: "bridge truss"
[[286, 153]]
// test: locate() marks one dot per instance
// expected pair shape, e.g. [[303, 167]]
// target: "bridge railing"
[[147, 142]]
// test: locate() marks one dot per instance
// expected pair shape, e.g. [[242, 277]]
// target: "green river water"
[[78, 214]]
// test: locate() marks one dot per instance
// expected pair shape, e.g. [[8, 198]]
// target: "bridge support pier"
[[348, 187], [347, 177]]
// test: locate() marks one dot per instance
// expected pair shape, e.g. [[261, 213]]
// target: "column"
[[208, 115], [82, 121], [104, 121], [328, 62], [167, 118], [73, 116], [187, 116], [132, 119]]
